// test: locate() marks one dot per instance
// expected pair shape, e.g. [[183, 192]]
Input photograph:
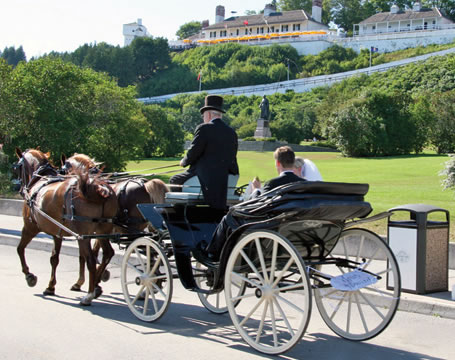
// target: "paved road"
[[38, 327]]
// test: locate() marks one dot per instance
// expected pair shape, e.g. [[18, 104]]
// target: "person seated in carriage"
[[211, 156], [284, 163]]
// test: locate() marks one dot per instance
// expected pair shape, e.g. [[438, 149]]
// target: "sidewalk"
[[436, 304]]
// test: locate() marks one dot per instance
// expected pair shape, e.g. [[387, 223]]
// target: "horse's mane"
[[41, 156], [92, 188], [84, 160]]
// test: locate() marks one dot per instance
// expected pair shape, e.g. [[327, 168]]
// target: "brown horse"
[[130, 192], [63, 206]]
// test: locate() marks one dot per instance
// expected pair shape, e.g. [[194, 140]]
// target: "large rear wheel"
[[366, 309], [146, 279], [275, 309]]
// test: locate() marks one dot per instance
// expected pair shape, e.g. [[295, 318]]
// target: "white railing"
[[301, 85], [419, 30]]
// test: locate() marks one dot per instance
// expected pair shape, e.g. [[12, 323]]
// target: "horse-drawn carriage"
[[289, 247]]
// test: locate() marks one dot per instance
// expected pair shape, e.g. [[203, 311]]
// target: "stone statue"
[[264, 106]]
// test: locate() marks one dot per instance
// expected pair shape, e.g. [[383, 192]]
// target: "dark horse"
[[59, 205], [130, 192]]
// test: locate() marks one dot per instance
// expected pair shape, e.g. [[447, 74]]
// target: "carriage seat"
[[192, 192]]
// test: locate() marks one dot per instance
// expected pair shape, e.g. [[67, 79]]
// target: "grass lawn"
[[393, 181]]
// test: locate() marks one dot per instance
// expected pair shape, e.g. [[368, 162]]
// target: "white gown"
[[310, 171]]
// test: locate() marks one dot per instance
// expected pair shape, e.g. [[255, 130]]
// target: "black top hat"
[[213, 102]]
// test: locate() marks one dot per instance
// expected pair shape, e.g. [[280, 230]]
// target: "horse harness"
[[123, 219]]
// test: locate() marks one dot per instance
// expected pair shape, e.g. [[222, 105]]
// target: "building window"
[[262, 30], [296, 27], [246, 31], [257, 30], [272, 29], [284, 28], [374, 27], [238, 31]]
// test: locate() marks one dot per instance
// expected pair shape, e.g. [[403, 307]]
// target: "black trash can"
[[421, 248]]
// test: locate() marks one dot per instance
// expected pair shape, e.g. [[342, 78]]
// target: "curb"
[[408, 302], [45, 243]]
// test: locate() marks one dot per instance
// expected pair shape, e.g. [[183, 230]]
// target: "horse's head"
[[79, 161], [32, 163]]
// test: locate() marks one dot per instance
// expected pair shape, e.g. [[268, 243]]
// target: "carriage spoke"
[[261, 259], [138, 295], [381, 292], [280, 276], [248, 280], [158, 289], [135, 268], [384, 271], [348, 320], [155, 266], [286, 321], [371, 304], [147, 251], [261, 324], [359, 249], [362, 316], [272, 315], [291, 304], [155, 305], [364, 267], [139, 257], [327, 295], [241, 297], [274, 256], [246, 318], [337, 307], [146, 301], [250, 263]]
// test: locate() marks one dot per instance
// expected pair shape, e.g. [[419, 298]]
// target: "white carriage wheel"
[[363, 313], [276, 306], [215, 303], [146, 279]]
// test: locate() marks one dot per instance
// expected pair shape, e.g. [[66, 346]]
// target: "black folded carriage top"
[[316, 200]]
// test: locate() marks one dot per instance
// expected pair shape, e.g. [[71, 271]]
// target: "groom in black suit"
[[284, 163], [212, 154]]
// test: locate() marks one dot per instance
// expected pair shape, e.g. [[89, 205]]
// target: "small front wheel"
[[215, 303], [146, 279], [275, 309]]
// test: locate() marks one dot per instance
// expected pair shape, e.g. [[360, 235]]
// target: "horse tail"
[[156, 189], [92, 188]]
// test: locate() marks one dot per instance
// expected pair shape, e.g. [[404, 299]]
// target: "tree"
[[374, 124], [13, 56], [165, 135], [307, 5], [188, 29], [346, 13], [442, 131], [65, 109], [150, 56]]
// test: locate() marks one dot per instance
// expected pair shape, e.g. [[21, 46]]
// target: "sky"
[[42, 26]]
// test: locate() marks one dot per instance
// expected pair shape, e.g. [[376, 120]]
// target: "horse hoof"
[[76, 287], [31, 280], [98, 292], [49, 292], [106, 275]]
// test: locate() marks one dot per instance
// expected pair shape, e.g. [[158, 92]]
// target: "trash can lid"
[[418, 208]]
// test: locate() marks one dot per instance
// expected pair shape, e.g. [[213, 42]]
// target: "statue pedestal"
[[262, 129]]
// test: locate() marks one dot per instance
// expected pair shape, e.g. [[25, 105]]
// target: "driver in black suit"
[[212, 154]]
